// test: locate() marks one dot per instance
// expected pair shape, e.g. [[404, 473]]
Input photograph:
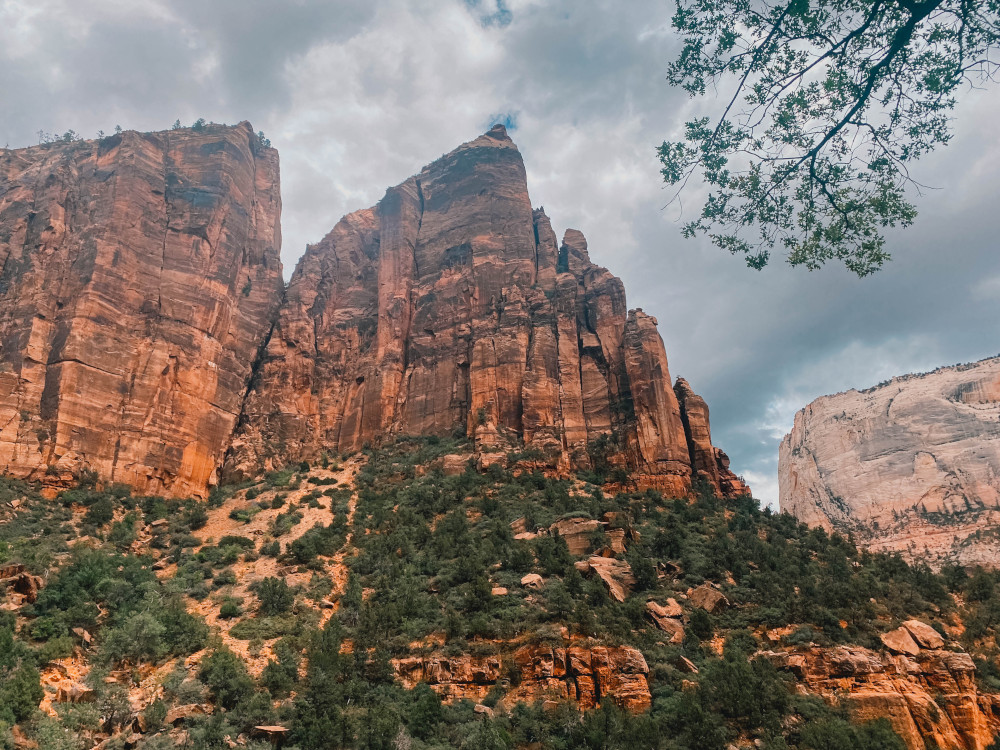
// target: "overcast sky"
[[359, 94]]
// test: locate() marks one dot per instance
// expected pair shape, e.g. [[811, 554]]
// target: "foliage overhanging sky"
[[359, 94]]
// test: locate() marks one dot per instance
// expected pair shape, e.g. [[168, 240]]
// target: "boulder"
[[666, 621], [708, 598], [615, 574], [900, 641], [532, 581], [924, 634]]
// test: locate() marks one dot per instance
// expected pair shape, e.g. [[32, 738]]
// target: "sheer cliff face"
[[140, 275], [449, 307], [913, 465]]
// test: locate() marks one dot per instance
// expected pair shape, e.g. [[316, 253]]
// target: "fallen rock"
[[666, 622], [498, 591], [708, 598], [615, 574], [686, 665], [533, 581], [924, 634], [178, 714], [900, 641], [479, 708], [83, 635]]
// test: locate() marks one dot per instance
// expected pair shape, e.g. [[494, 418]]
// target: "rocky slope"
[[450, 306], [140, 275], [386, 595], [911, 465]]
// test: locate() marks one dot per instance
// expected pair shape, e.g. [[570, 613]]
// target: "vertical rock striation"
[[450, 307], [140, 276], [912, 465]]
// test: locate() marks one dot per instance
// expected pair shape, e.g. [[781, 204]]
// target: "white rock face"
[[911, 465]]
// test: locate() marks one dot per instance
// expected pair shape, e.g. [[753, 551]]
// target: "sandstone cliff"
[[449, 307], [911, 465], [140, 275], [931, 697]]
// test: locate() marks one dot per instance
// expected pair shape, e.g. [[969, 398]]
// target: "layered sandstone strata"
[[578, 673], [931, 697], [450, 307], [911, 465], [140, 275]]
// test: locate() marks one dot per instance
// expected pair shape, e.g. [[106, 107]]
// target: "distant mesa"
[[146, 334]]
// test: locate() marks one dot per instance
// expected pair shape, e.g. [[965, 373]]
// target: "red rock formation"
[[710, 464], [929, 697], [140, 275], [585, 675], [449, 307]]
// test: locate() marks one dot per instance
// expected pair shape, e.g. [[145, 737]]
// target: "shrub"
[[274, 595], [100, 512], [226, 677], [230, 608]]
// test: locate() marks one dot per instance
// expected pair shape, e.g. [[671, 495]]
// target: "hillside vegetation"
[[300, 606]]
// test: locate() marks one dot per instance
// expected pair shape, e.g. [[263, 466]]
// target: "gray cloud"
[[358, 95]]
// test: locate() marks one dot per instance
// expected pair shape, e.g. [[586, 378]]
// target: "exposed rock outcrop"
[[930, 696], [449, 307], [912, 465], [141, 281], [140, 275], [585, 675]]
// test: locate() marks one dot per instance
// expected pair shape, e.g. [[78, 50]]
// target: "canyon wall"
[[912, 465], [450, 308], [146, 335], [140, 275]]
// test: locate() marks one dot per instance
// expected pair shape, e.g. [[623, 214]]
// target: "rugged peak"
[[498, 132], [456, 310], [574, 240], [573, 255]]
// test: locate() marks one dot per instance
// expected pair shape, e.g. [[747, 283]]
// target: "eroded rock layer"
[[449, 307], [912, 465], [930, 697], [140, 275], [578, 673]]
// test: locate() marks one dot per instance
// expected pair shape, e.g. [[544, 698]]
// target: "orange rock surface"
[[140, 274], [141, 292], [585, 675], [931, 695], [451, 306]]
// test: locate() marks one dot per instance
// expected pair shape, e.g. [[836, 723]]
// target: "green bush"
[[274, 595]]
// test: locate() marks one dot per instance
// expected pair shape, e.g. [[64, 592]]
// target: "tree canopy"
[[827, 103]]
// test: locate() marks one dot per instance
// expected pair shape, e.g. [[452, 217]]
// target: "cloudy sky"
[[359, 94]]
